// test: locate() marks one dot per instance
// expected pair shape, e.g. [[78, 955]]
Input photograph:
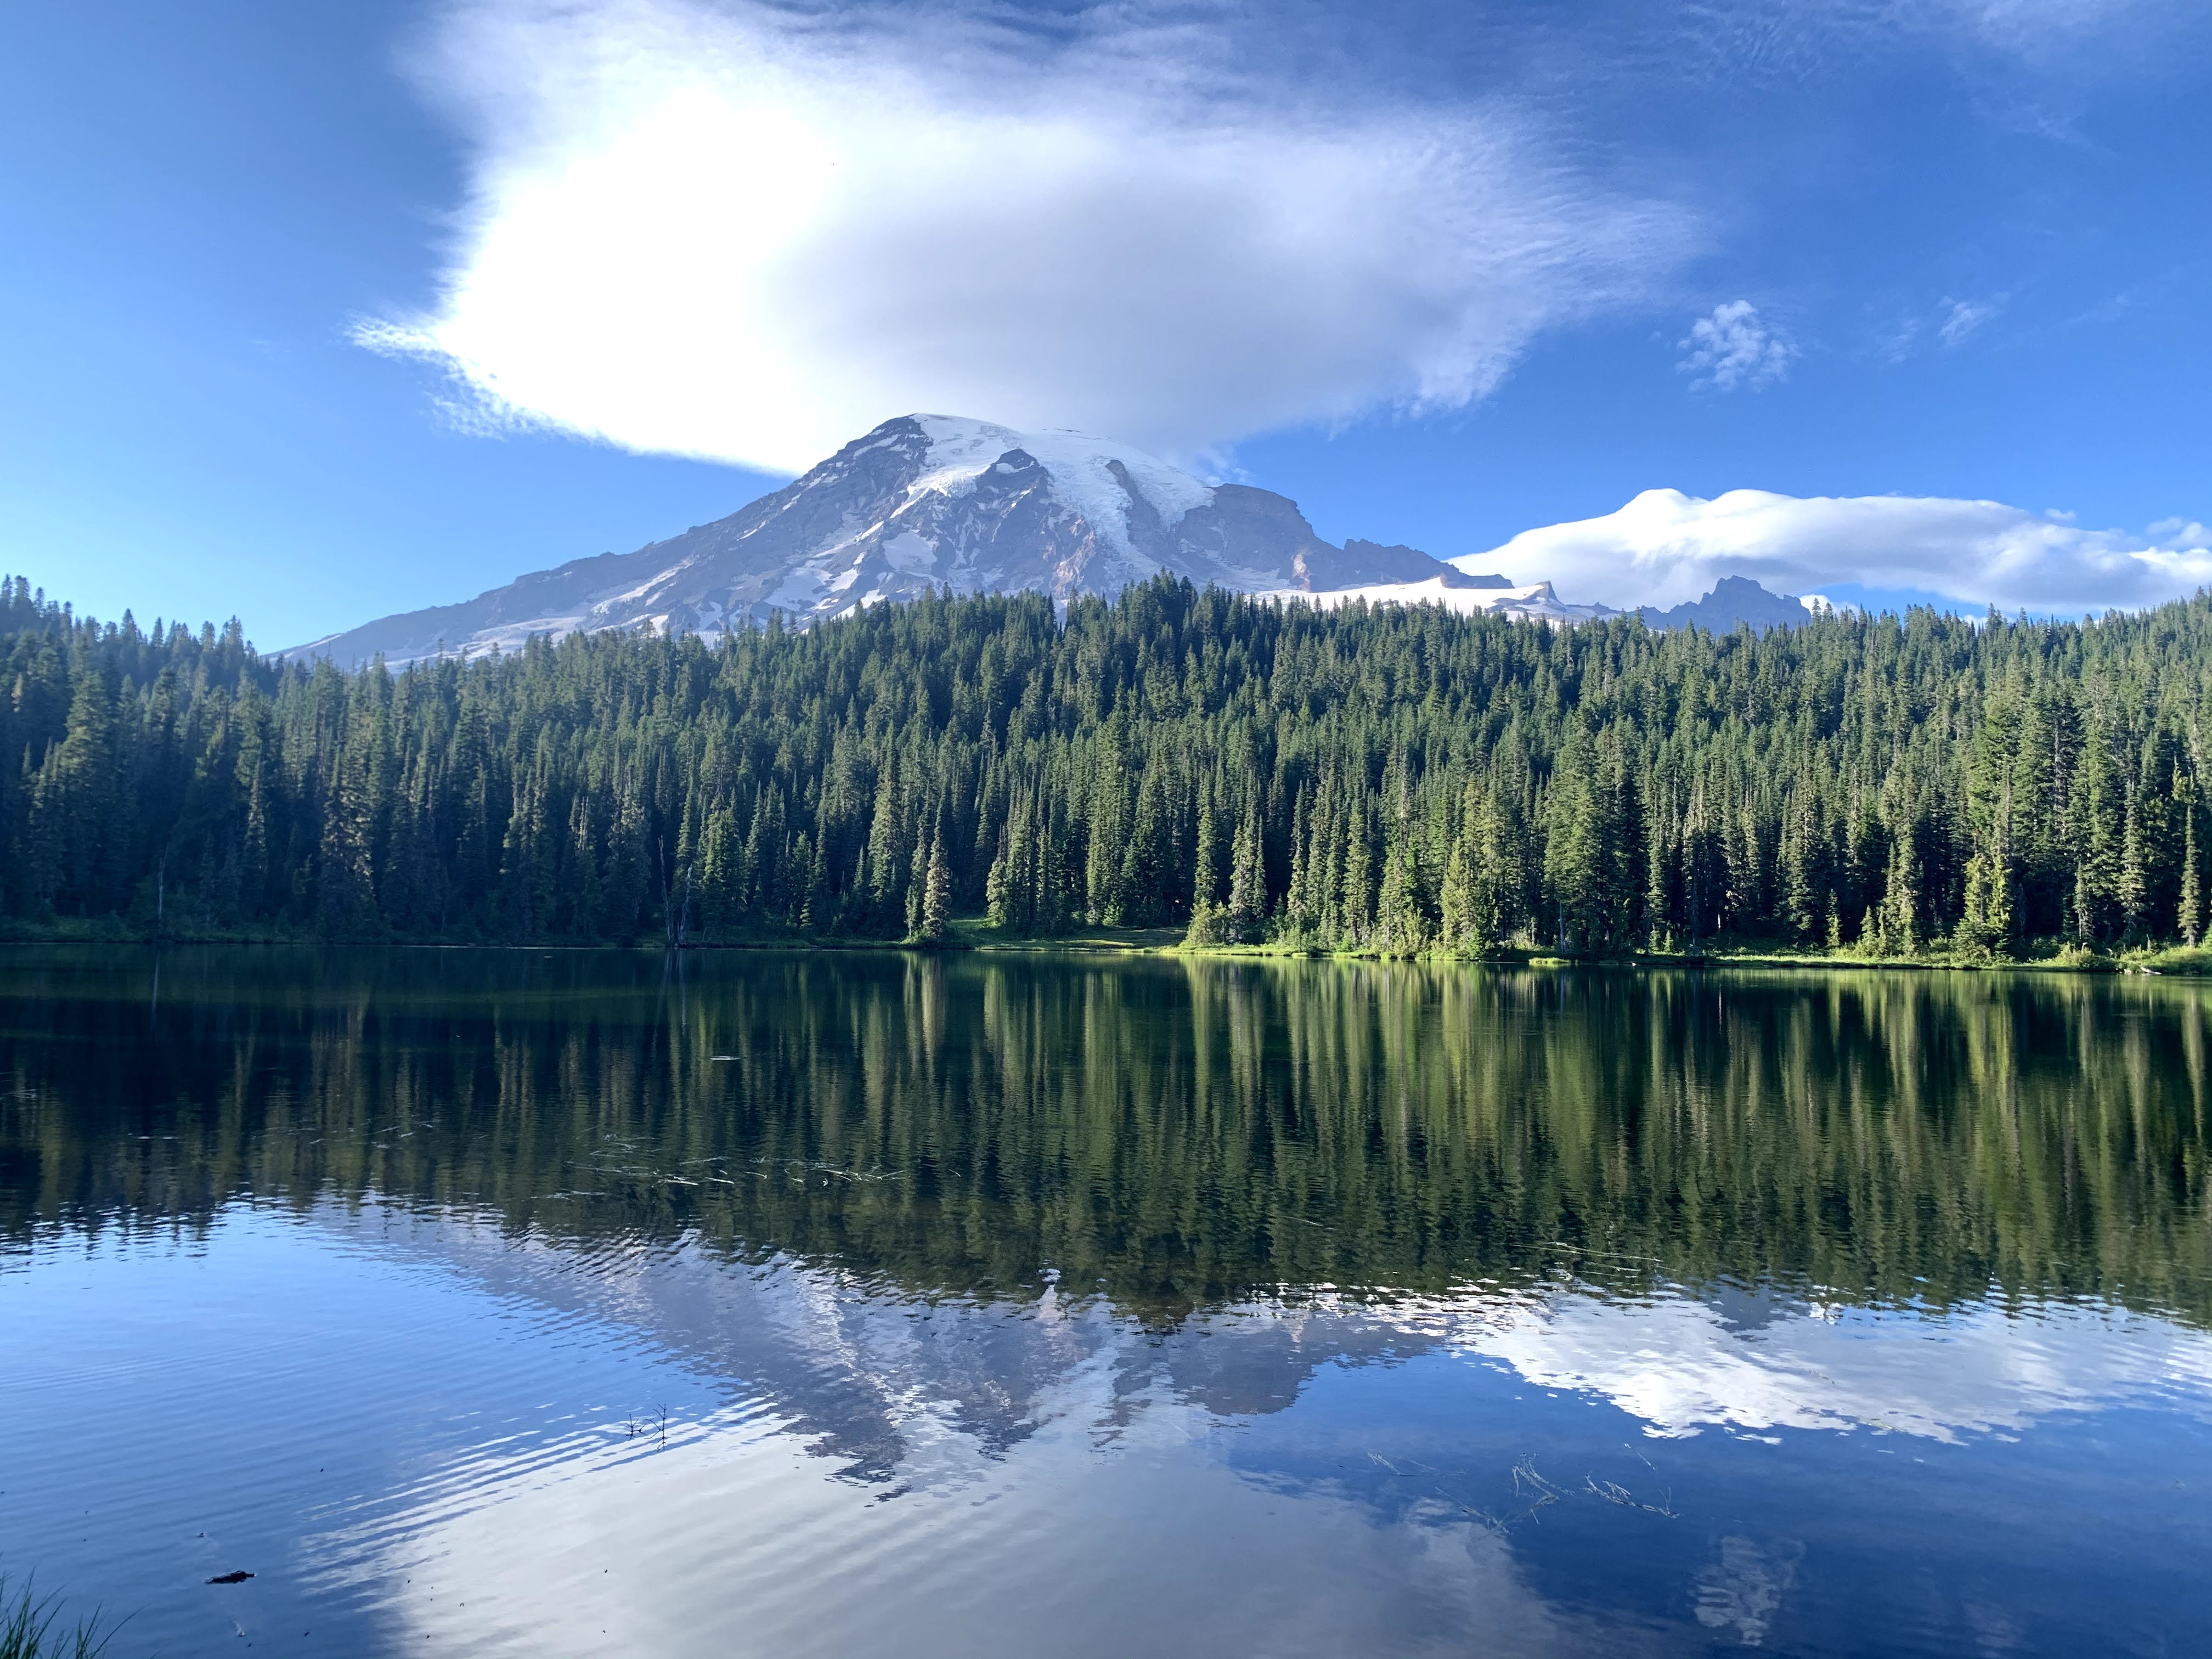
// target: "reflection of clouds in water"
[[734, 1543], [1681, 1364], [1742, 1590]]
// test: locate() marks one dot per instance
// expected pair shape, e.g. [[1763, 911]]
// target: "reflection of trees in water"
[[1174, 1133]]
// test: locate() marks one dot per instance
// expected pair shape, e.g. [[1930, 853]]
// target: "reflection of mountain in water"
[[873, 1378], [896, 1388]]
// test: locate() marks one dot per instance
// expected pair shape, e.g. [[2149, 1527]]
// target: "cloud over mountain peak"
[[739, 233]]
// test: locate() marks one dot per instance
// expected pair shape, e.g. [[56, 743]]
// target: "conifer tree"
[[1248, 875], [1205, 928], [2189, 922], [935, 918]]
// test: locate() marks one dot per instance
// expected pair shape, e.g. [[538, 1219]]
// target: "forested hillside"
[[1394, 780]]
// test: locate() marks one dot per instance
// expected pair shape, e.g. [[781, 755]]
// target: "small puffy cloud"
[[1735, 348], [1665, 547], [749, 233]]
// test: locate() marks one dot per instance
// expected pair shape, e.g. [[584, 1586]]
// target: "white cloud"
[[749, 233], [1962, 317], [1665, 547], [1735, 348]]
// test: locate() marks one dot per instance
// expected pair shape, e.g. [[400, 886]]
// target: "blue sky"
[[1438, 273]]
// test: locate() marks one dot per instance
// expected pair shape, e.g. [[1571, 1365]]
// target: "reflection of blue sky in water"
[[473, 1453]]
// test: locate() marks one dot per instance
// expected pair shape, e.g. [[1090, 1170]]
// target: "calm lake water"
[[749, 1303]]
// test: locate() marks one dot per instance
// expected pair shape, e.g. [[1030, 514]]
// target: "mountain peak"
[[921, 502], [1102, 480]]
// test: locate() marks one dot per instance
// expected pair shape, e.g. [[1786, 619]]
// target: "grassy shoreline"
[[2176, 960], [975, 933], [2050, 958]]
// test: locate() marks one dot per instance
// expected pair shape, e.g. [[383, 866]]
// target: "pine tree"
[[79, 801], [2189, 923], [1001, 884], [1899, 929], [1355, 923], [935, 916], [1247, 915], [1986, 929], [1398, 930], [346, 902], [885, 862], [1148, 864], [1204, 927], [1802, 906], [1501, 870], [1455, 899], [1104, 894], [2132, 888], [1574, 851]]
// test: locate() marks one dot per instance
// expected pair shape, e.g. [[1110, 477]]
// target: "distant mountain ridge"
[[1735, 599], [933, 502]]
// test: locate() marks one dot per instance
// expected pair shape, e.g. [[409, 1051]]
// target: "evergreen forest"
[[1392, 781]]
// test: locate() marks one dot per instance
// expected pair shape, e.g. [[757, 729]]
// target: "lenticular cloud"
[[749, 235]]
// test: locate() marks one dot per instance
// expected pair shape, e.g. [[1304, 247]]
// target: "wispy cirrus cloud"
[[747, 233], [1961, 318], [1805, 36]]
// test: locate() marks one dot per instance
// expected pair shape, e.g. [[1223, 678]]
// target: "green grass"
[[27, 1628], [976, 934], [1938, 956], [2174, 960]]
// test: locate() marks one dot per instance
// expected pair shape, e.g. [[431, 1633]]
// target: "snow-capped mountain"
[[923, 501], [929, 502]]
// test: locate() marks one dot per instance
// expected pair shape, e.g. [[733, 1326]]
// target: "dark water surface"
[[495, 1303]]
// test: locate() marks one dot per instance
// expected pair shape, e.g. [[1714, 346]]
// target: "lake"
[[854, 1303]]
